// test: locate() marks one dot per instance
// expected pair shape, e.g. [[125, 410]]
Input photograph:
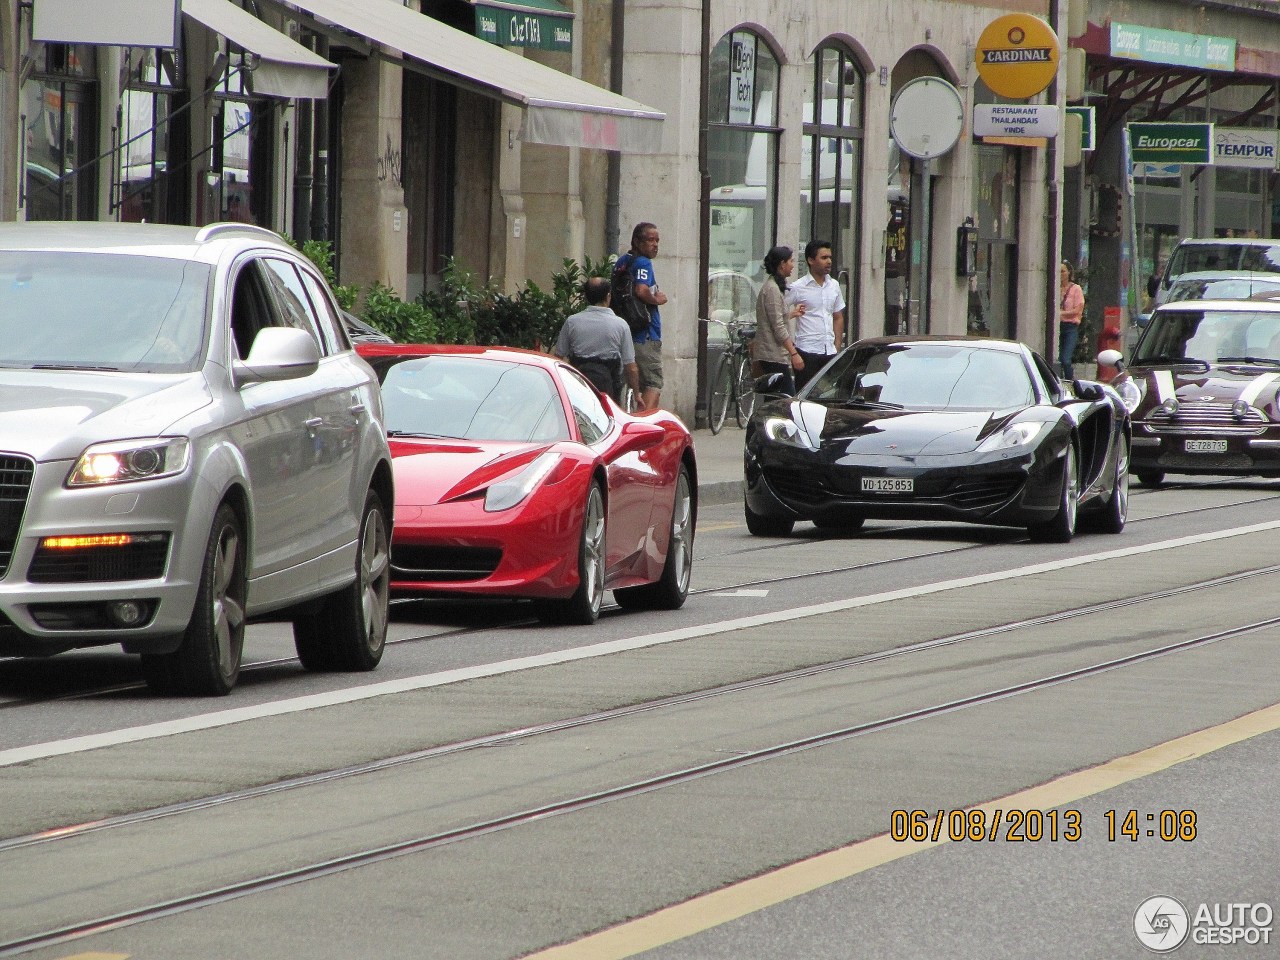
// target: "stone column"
[[374, 227]]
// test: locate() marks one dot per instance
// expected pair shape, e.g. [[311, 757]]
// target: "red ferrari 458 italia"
[[516, 478]]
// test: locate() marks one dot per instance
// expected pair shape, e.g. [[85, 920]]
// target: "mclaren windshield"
[[931, 376]]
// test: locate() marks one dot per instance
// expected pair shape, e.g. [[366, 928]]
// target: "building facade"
[[1198, 64], [511, 135]]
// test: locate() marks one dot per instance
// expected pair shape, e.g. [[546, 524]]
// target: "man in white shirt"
[[820, 329]]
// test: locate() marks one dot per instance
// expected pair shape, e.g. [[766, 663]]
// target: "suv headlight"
[[1130, 394], [1013, 435], [125, 461]]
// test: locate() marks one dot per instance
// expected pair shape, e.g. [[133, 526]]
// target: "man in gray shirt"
[[598, 342]]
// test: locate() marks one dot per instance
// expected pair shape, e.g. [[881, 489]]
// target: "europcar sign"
[[1017, 55], [1171, 142]]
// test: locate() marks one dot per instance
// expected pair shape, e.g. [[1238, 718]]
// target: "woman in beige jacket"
[[774, 345]]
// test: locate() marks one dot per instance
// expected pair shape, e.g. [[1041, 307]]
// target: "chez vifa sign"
[[1017, 55]]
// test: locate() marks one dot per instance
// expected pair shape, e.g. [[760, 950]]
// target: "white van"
[[1219, 258]]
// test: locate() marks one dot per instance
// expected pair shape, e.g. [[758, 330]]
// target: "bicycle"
[[733, 380]]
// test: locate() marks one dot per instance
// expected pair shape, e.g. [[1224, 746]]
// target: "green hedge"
[[465, 309]]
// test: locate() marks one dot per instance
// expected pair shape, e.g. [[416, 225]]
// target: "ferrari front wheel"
[[1063, 525], [672, 588], [584, 606]]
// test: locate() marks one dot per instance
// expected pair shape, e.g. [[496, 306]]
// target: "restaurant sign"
[[539, 27]]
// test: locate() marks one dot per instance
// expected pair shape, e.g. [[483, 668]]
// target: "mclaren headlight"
[[784, 431], [1012, 436], [515, 489], [127, 461], [1130, 394]]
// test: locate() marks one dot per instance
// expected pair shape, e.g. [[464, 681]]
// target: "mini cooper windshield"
[[1210, 337], [97, 311], [927, 376]]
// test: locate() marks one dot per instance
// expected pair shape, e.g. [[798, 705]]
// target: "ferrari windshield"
[[1210, 336], [102, 311], [469, 398], [935, 376]]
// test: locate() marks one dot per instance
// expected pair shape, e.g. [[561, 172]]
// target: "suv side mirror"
[[278, 353]]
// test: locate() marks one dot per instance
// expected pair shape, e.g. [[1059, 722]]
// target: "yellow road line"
[[719, 907]]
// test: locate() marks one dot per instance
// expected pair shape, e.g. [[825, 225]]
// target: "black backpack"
[[624, 301]]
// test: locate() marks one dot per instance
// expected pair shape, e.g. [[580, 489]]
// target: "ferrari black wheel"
[[1150, 478], [721, 392], [762, 526], [671, 590], [1116, 512], [1063, 525], [584, 606]]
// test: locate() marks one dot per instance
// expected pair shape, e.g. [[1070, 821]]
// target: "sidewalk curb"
[[719, 492]]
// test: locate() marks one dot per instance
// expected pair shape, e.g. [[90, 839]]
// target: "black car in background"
[[938, 428]]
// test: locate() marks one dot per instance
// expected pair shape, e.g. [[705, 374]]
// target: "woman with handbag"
[[774, 345]]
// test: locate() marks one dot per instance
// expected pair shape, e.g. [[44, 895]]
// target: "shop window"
[[832, 161], [147, 183], [742, 156], [238, 184], [59, 123]]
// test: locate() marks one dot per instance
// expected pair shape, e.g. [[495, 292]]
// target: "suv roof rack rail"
[[217, 229]]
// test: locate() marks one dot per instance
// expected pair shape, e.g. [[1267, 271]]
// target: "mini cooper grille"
[[1212, 416], [15, 483], [144, 559], [438, 564], [1203, 461]]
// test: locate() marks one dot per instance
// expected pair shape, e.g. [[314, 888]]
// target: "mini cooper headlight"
[[126, 461], [1130, 394], [513, 490], [1170, 406], [1240, 409], [1013, 435]]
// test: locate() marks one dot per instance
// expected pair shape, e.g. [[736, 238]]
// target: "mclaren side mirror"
[[1088, 390], [778, 384]]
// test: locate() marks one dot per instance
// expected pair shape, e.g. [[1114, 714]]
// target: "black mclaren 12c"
[[938, 428]]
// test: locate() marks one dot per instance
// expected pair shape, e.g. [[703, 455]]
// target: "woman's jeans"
[[1068, 334]]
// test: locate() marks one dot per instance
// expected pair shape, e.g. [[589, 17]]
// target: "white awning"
[[135, 23], [559, 108], [284, 68]]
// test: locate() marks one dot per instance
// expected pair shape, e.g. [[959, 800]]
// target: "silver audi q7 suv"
[[187, 441]]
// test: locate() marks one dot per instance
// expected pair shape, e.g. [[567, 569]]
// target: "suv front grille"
[[15, 485]]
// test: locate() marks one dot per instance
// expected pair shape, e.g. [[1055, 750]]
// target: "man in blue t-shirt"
[[644, 247]]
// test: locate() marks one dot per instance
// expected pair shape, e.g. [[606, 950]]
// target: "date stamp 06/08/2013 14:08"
[[1021, 826]]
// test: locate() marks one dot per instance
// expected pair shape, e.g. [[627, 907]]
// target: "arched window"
[[832, 158], [742, 155]]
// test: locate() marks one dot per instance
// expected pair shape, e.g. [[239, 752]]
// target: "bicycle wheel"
[[721, 389], [746, 390]]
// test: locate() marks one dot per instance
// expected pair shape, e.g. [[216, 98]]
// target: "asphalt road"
[[911, 667]]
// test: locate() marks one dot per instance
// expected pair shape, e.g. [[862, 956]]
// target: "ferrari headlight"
[[512, 490], [126, 461], [1130, 394], [1014, 435], [782, 430]]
